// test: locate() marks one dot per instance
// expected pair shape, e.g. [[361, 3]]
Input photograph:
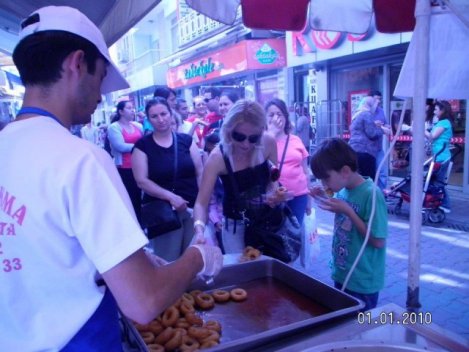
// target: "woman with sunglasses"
[[249, 152], [294, 167]]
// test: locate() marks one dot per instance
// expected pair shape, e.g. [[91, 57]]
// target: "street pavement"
[[444, 269]]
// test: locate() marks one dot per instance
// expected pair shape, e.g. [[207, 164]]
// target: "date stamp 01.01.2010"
[[393, 318]]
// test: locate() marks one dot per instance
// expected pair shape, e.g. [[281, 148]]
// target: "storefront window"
[[400, 158], [353, 84], [267, 89], [349, 85]]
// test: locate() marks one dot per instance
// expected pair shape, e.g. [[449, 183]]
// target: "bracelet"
[[199, 223]]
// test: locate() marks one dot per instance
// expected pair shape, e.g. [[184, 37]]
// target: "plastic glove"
[[212, 257]]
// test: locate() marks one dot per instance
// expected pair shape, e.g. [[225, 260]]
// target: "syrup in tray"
[[270, 304]]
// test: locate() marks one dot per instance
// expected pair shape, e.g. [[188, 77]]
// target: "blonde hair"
[[242, 111], [367, 103]]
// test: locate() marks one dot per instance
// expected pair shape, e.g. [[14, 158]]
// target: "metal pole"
[[422, 14]]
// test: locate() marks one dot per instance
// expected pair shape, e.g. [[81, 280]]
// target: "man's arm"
[[143, 290]]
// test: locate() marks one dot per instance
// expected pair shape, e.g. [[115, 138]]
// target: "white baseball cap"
[[68, 19]]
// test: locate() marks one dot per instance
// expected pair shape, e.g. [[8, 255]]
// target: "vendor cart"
[[287, 310]]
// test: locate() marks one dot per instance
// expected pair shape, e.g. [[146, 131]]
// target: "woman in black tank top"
[[250, 154]]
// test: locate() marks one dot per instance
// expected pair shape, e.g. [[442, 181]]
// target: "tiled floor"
[[444, 270]]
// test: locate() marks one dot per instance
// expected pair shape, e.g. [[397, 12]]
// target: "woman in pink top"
[[294, 169], [123, 133]]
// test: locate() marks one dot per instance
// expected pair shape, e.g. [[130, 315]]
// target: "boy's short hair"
[[332, 155]]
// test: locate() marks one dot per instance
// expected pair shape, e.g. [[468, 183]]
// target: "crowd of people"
[[143, 154], [77, 244]]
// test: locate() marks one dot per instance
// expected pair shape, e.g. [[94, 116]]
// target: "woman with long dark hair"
[[153, 164], [294, 167], [440, 137], [123, 133]]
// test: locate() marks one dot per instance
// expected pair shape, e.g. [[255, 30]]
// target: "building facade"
[[332, 71]]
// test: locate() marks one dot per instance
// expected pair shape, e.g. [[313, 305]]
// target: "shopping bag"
[[310, 247]]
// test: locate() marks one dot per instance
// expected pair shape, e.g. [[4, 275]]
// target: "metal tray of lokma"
[[281, 301]]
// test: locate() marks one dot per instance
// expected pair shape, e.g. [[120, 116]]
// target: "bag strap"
[[234, 185], [230, 173], [283, 154], [175, 139]]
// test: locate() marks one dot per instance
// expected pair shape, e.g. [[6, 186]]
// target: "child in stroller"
[[433, 192]]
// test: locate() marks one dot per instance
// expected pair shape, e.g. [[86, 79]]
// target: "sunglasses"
[[240, 137]]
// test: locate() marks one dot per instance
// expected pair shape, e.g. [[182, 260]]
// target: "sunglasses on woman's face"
[[240, 137]]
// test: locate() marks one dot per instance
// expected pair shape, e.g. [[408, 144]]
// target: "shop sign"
[[309, 40], [325, 39], [313, 93], [200, 70], [242, 56], [266, 55]]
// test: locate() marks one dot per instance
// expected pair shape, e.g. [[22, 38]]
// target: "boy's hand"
[[335, 205], [316, 191]]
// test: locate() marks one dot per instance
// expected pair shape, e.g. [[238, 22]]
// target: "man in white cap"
[[70, 245]]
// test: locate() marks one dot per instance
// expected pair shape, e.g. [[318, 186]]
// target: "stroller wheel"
[[424, 217], [436, 215]]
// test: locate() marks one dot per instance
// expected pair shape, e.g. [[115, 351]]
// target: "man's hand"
[[212, 258]]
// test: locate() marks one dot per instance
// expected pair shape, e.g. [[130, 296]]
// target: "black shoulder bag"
[[274, 231], [158, 216]]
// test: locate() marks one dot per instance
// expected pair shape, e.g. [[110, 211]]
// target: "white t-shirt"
[[90, 133], [186, 127], [64, 217]]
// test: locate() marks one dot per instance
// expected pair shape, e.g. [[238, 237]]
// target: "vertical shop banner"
[[313, 94]]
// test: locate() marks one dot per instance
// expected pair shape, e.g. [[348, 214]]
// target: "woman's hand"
[[275, 125], [178, 203], [280, 195], [198, 238]]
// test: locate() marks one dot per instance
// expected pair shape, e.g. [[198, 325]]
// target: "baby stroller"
[[433, 193]]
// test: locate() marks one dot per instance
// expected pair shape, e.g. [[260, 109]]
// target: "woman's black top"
[[161, 167], [251, 184]]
